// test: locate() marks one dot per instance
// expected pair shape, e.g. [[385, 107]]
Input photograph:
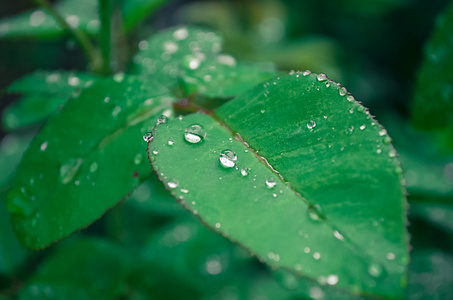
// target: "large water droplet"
[[271, 182], [343, 91], [228, 158], [194, 133], [148, 137], [311, 124], [322, 77]]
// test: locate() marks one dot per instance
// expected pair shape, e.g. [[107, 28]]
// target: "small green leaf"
[[39, 24], [84, 269], [324, 183], [87, 157], [135, 11], [165, 54], [432, 106], [44, 92], [221, 76]]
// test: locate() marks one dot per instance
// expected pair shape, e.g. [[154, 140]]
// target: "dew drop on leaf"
[[173, 183], [194, 133], [311, 124], [148, 137], [322, 77], [228, 158], [332, 279], [375, 270], [271, 182], [162, 120], [43, 146], [138, 158], [244, 172], [314, 212], [342, 91], [306, 72]]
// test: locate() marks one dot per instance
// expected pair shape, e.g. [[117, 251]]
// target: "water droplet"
[[228, 158], [162, 120], [217, 225], [314, 212], [119, 77], [316, 255], [107, 99], [37, 18], [73, 80], [245, 172], [306, 72], [72, 20], [194, 133], [43, 146], [362, 127], [307, 250], [116, 110], [332, 279], [375, 270], [343, 91], [213, 266], [387, 140], [181, 34], [390, 256], [382, 132], [271, 182], [226, 60], [338, 235], [170, 47], [148, 137], [185, 191], [316, 293], [173, 183], [93, 167], [350, 98], [69, 170], [311, 124], [171, 141], [392, 153], [322, 77], [138, 158]]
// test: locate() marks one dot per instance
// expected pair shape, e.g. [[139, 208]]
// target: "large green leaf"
[[44, 92], [86, 158], [38, 23], [316, 186], [432, 107]]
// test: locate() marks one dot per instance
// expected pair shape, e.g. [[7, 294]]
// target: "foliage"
[[253, 181]]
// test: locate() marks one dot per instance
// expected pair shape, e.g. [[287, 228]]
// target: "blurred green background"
[[156, 250]]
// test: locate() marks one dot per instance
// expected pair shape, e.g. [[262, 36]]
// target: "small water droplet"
[[148, 137], [382, 132], [362, 127], [316, 293], [228, 158], [245, 172], [43, 146], [194, 133], [93, 167], [387, 140], [350, 98], [173, 183], [390, 256], [116, 110], [316, 255], [314, 212], [181, 34], [322, 77], [338, 235], [392, 153], [343, 91], [138, 158], [311, 124], [171, 141], [375, 270], [185, 191], [69, 169], [162, 120], [332, 279], [271, 182], [306, 72]]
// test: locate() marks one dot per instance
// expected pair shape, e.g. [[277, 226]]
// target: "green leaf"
[[432, 106], [165, 54], [44, 92], [323, 195], [221, 76], [135, 11], [438, 214], [85, 269], [87, 157], [430, 275], [39, 24]]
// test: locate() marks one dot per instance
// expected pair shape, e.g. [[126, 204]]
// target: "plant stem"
[[80, 36], [105, 14]]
